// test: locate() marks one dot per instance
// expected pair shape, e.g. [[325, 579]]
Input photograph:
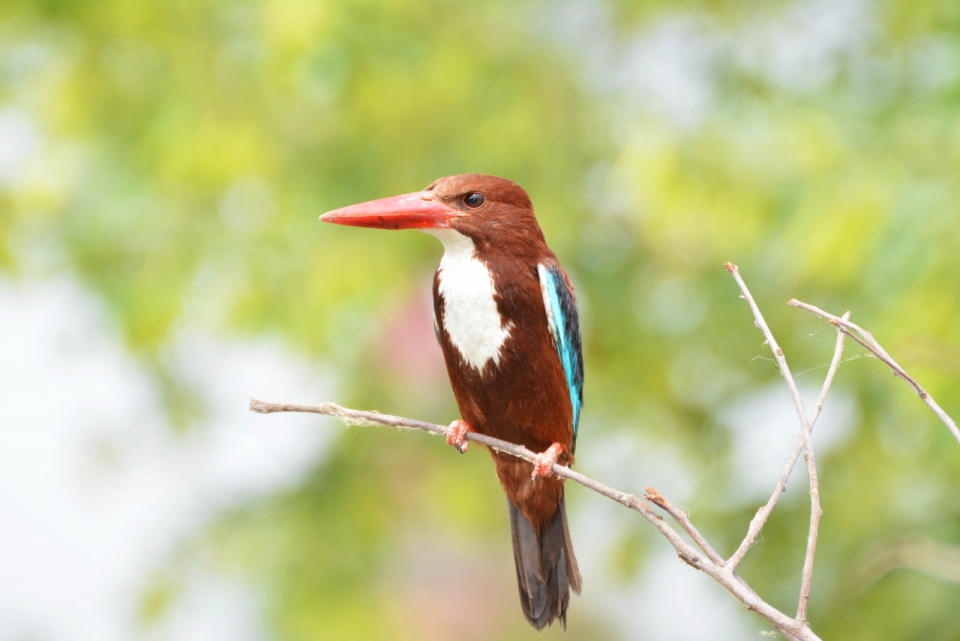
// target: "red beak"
[[409, 211]]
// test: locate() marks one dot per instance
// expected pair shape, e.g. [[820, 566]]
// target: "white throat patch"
[[470, 314]]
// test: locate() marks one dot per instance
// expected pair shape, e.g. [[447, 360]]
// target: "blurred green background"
[[162, 167]]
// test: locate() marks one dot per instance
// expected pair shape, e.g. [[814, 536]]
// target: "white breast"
[[470, 315]]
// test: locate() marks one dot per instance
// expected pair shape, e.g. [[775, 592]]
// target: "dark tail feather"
[[546, 567]]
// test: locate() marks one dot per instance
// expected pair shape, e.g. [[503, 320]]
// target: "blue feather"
[[565, 329]]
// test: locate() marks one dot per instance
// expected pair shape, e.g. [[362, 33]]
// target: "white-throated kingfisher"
[[506, 319]]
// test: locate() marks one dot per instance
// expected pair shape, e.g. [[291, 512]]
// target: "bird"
[[506, 318]]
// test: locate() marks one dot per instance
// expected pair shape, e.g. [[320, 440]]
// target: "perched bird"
[[506, 319]]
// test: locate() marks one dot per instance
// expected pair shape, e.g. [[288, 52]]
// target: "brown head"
[[488, 209]]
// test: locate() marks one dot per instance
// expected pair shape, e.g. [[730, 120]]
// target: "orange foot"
[[456, 435], [543, 468]]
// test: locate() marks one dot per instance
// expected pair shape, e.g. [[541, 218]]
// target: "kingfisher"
[[506, 319]]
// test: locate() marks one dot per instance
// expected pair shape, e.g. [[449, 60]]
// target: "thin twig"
[[774, 347], [869, 343], [807, 579], [815, 511], [681, 517], [831, 372], [792, 629], [815, 515], [756, 525]]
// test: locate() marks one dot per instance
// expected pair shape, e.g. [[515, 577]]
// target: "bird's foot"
[[543, 468], [456, 435]]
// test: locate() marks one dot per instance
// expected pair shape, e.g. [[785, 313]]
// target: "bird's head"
[[485, 208]]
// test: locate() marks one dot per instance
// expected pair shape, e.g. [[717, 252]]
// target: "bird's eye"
[[473, 200]]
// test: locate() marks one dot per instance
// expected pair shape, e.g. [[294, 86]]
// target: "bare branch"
[[756, 525], [681, 517], [816, 514], [791, 628], [723, 572], [866, 339], [831, 372], [774, 347], [805, 426]]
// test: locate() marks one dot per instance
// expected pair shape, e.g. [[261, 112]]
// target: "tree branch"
[[712, 565], [764, 512], [681, 517], [723, 572], [866, 339], [805, 428]]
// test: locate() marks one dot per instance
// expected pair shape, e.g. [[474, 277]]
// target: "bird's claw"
[[456, 435], [543, 467]]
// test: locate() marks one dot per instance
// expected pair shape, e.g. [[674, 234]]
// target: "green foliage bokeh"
[[188, 148]]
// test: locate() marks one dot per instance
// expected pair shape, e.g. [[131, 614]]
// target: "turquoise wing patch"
[[564, 325]]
